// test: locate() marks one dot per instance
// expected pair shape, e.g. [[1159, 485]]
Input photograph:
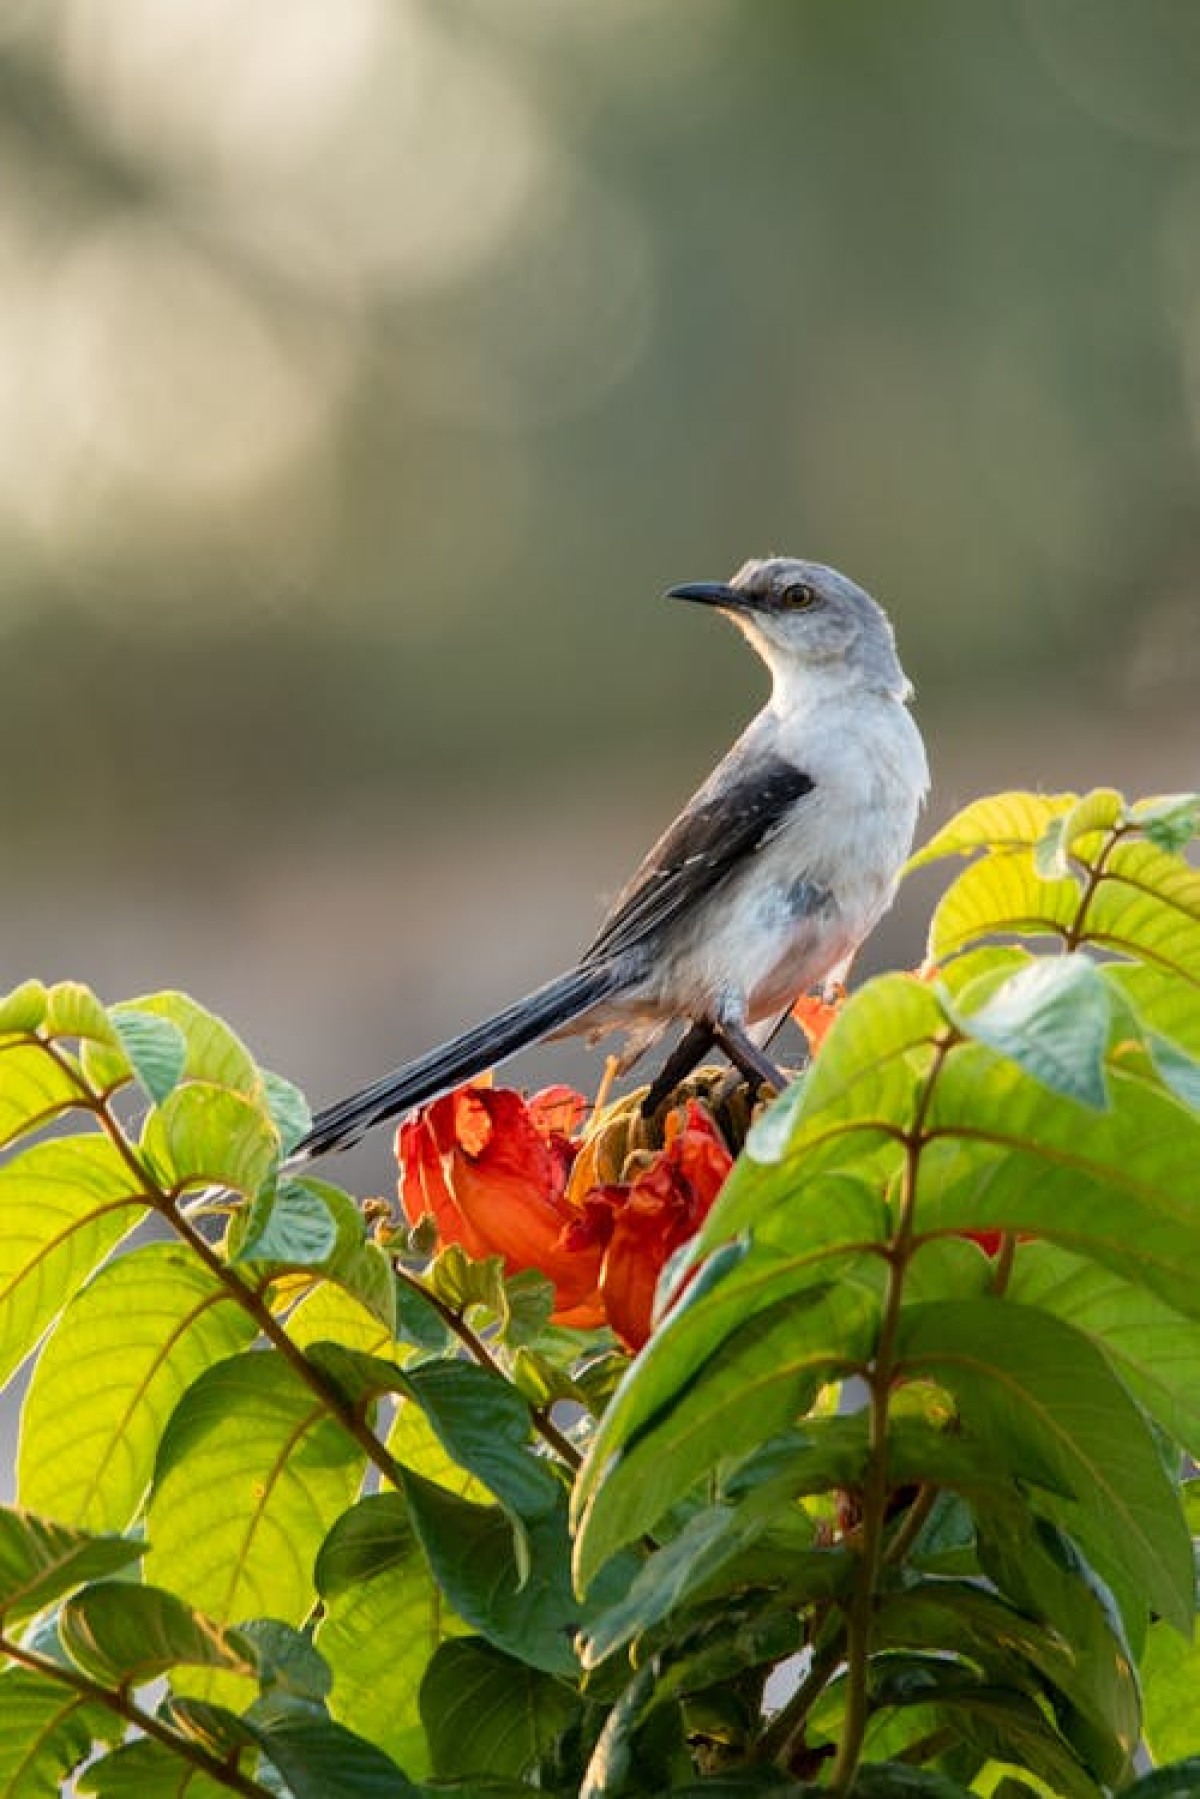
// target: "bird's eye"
[[798, 594]]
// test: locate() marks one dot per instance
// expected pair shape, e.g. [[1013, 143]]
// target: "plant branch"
[[118, 1701], [860, 1617], [781, 1737], [478, 1350], [250, 1300], [1097, 872], [911, 1525]]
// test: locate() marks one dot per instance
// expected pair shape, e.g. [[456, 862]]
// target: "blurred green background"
[[369, 367]]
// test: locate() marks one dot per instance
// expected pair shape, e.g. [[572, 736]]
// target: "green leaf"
[[40, 1561], [528, 1610], [413, 1441], [1042, 1572], [1046, 1397], [289, 1110], [635, 1472], [214, 1053], [1168, 1013], [356, 1377], [1002, 896], [520, 1303], [22, 1010], [1154, 1350], [316, 1757], [148, 1770], [1001, 1151], [767, 1783], [471, 1552], [1054, 1019], [484, 1426], [1170, 1670], [383, 1615], [864, 1064], [754, 1537], [948, 1268], [960, 1617], [1180, 1781], [123, 1634], [418, 1321], [1094, 815], [999, 821], [46, 1730], [35, 1087], [64, 1204], [998, 1721], [641, 1743], [354, 1261], [204, 1135], [895, 1780], [489, 1713], [291, 1227], [791, 1220], [287, 1660], [115, 1366], [709, 1541], [72, 1010], [1140, 902], [321, 1759], [309, 1223], [1147, 906], [328, 1314], [252, 1471], [222, 1732], [755, 1630], [946, 1542], [1170, 822], [1176, 1069], [156, 1049]]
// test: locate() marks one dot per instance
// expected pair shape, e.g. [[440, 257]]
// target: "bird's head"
[[803, 616]]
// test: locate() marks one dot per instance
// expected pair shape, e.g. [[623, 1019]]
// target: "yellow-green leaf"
[[126, 1349], [63, 1205], [251, 1474], [205, 1135], [998, 821]]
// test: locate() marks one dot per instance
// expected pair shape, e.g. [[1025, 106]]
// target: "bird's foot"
[[750, 1061], [691, 1049]]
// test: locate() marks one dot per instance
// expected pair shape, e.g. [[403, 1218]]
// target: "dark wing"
[[711, 838]]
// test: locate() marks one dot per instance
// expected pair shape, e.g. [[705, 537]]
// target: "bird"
[[765, 884]]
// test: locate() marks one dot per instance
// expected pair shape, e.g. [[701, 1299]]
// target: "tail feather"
[[541, 1012]]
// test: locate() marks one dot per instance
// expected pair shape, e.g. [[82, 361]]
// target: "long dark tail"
[[543, 1011]]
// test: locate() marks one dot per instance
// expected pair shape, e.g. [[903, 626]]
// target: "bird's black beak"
[[709, 593]]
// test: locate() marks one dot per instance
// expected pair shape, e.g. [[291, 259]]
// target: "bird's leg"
[[746, 1056], [691, 1049]]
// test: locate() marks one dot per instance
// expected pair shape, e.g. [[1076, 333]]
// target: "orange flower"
[[493, 1171], [491, 1168], [643, 1221], [816, 1017]]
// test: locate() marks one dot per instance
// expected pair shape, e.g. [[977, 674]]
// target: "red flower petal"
[[665, 1206], [493, 1172]]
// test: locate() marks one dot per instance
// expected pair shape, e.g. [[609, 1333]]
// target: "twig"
[[478, 1350], [118, 1701]]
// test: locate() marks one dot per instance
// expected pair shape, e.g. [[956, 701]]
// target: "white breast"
[[756, 945]]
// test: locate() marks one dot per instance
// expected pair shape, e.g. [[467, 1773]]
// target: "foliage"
[[305, 1511]]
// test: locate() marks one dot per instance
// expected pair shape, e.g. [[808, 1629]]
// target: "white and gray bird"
[[763, 887]]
